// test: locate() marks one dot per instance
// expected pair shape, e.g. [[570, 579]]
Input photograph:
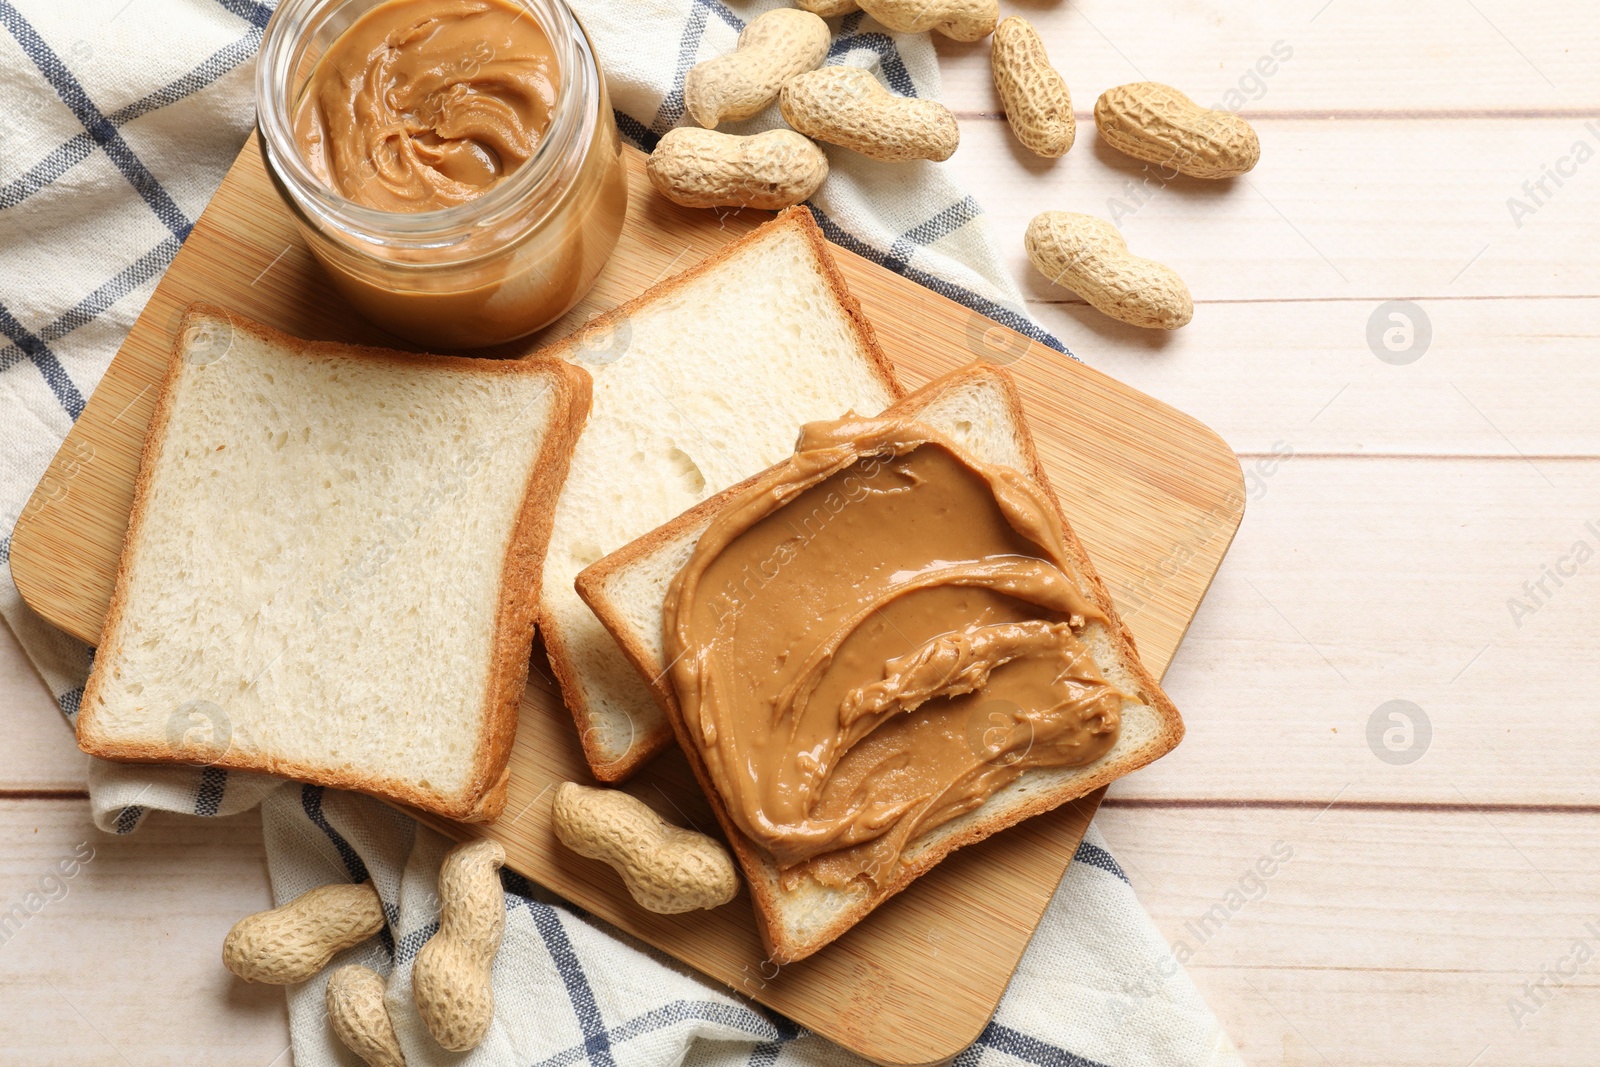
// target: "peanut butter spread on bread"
[[873, 639]]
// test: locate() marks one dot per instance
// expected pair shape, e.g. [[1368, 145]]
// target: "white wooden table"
[[1423, 495]]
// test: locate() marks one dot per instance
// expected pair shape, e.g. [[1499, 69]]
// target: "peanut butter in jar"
[[454, 164], [425, 104]]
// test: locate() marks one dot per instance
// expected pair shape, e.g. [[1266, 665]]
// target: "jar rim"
[[283, 46]]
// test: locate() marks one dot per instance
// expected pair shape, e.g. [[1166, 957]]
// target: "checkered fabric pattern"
[[118, 118]]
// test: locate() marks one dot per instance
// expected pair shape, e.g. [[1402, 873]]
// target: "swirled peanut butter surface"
[[875, 638], [425, 104]]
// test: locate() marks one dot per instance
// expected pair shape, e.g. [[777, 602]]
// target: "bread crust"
[[759, 871], [484, 797], [799, 220]]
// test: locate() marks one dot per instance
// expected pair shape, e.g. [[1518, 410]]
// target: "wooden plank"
[[1356, 582], [1390, 939], [124, 964], [1312, 221], [1494, 56], [1301, 374], [1139, 478], [1397, 916], [39, 755]]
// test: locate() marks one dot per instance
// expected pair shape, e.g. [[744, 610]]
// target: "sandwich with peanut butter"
[[883, 648]]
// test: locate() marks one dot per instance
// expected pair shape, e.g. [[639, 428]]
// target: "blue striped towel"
[[117, 122]]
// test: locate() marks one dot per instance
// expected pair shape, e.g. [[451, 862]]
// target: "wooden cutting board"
[[1155, 495]]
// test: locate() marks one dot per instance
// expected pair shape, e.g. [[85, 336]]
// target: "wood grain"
[[1425, 59], [1388, 939], [1312, 220], [120, 962], [1357, 581], [40, 758], [1147, 488], [1300, 373]]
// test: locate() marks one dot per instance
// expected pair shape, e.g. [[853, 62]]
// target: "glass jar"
[[482, 272]]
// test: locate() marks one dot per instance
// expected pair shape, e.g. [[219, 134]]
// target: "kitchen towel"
[[118, 119]]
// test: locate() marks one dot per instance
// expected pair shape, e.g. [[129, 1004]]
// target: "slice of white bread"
[[332, 564], [699, 383], [978, 408]]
